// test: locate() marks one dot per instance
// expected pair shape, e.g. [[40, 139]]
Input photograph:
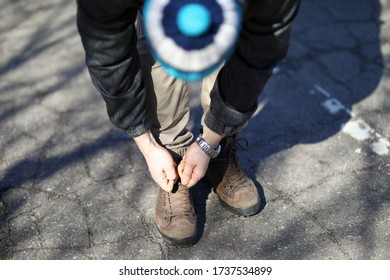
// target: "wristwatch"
[[207, 148]]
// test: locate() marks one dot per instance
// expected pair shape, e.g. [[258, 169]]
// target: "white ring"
[[196, 60]]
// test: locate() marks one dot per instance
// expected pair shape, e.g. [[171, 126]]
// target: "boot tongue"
[[180, 203], [235, 175]]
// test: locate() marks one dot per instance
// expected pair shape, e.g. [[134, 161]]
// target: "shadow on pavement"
[[335, 62]]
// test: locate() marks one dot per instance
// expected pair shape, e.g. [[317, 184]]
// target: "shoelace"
[[179, 204], [236, 177]]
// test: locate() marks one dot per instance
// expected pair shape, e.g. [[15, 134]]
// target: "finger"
[[180, 168], [187, 173], [193, 181], [170, 178], [167, 185], [196, 176], [171, 173], [164, 184], [170, 184]]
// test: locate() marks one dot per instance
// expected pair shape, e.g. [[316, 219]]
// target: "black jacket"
[[107, 30]]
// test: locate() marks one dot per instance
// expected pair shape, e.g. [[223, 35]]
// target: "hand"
[[194, 165], [161, 165], [162, 168]]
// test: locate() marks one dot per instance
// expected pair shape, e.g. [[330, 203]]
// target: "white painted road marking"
[[356, 127]]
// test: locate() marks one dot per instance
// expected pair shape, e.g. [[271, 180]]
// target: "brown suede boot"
[[175, 216], [235, 190]]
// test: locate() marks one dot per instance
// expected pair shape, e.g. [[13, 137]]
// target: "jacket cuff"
[[224, 119], [137, 131]]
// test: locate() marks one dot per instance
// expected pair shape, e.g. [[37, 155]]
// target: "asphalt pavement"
[[72, 186]]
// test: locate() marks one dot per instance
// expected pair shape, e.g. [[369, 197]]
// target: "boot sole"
[[246, 212], [185, 242]]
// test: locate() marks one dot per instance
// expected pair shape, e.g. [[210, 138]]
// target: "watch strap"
[[213, 153]]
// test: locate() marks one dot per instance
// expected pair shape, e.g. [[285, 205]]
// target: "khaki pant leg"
[[207, 85], [168, 99]]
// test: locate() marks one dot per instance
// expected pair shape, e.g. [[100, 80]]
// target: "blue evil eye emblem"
[[191, 38], [193, 19]]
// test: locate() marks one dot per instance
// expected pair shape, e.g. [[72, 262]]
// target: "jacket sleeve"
[[109, 39], [263, 43]]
